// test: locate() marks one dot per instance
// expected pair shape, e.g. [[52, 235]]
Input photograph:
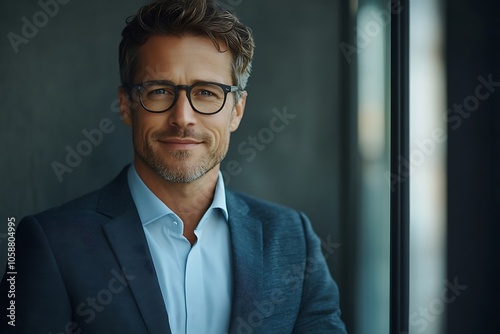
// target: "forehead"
[[183, 59]]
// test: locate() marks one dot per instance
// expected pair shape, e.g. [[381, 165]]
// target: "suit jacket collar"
[[126, 237]]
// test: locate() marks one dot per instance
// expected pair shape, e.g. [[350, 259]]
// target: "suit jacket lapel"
[[246, 239], [127, 239]]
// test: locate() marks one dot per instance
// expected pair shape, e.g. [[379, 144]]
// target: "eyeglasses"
[[206, 98]]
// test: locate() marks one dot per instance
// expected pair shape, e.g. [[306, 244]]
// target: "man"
[[165, 248]]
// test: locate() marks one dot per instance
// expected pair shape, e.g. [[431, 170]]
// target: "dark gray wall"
[[473, 179], [64, 81]]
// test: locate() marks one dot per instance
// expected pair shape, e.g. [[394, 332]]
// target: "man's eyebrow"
[[191, 82], [218, 80], [160, 82]]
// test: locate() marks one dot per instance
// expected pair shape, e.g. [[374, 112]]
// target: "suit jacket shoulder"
[[85, 267], [272, 216], [281, 280]]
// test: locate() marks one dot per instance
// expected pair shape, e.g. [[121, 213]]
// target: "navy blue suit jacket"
[[85, 267]]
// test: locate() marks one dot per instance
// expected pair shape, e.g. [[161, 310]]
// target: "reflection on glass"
[[372, 301], [427, 152]]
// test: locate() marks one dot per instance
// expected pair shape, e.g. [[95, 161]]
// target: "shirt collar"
[[151, 208]]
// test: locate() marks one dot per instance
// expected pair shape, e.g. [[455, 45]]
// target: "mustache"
[[181, 133]]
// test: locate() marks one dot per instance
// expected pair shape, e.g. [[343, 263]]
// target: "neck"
[[189, 201]]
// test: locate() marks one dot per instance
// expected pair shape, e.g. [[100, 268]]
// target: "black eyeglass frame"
[[225, 88]]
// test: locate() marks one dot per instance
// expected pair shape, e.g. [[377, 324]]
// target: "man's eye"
[[206, 93], [159, 91]]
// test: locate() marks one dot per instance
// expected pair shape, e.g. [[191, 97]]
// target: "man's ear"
[[239, 109], [125, 106]]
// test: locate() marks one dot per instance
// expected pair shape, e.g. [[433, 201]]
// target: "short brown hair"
[[179, 17]]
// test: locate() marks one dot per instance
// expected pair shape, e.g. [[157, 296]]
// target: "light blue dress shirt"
[[196, 282]]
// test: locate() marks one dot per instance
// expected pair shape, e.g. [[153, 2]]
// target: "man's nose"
[[182, 113]]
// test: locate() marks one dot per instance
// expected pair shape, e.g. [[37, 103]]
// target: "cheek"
[[220, 134], [144, 126]]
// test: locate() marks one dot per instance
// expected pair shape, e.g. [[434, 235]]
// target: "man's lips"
[[180, 142]]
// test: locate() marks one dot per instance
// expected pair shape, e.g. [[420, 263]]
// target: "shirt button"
[[175, 223]]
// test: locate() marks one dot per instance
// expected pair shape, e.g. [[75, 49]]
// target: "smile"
[[180, 143]]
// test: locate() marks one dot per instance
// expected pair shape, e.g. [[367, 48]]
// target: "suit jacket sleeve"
[[41, 302], [319, 311]]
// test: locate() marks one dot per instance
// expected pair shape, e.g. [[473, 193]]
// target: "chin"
[[179, 171]]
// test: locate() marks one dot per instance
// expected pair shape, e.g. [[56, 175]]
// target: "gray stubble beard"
[[174, 174]]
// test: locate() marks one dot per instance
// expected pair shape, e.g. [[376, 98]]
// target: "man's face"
[[181, 145]]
